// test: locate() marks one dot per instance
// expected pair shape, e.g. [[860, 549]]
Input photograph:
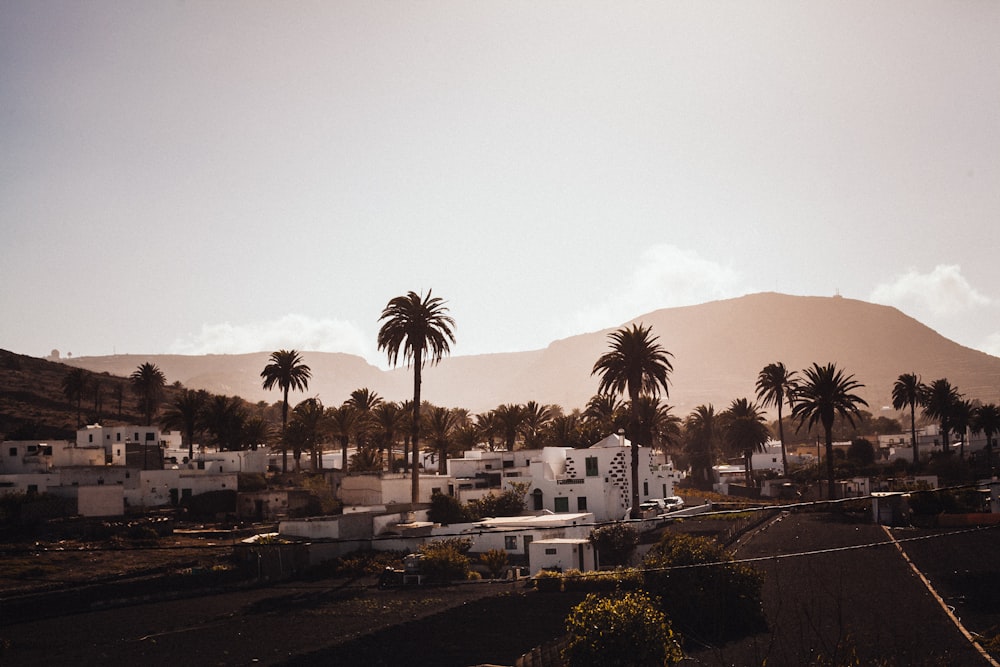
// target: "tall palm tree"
[[307, 420], [74, 384], [148, 382], [635, 365], [441, 424], [659, 426], [364, 400], [907, 392], [285, 370], [938, 401], [510, 418], [744, 430], [343, 422], [536, 416], [776, 386], [185, 415], [389, 420], [824, 393], [987, 421], [961, 418], [701, 430], [224, 419], [416, 326]]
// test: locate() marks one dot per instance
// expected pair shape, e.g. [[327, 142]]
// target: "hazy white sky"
[[200, 177]]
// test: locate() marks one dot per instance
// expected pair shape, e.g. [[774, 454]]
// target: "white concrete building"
[[390, 488]]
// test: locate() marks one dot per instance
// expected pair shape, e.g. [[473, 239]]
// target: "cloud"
[[291, 331], [665, 276], [941, 293]]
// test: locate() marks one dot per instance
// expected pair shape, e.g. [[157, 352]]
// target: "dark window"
[[536, 497], [150, 436], [581, 504], [591, 463], [550, 551], [645, 488], [90, 437], [13, 451], [118, 436], [510, 542], [562, 504]]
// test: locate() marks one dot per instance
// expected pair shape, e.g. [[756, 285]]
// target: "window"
[[150, 436], [90, 437], [581, 504], [536, 497], [118, 436], [645, 488], [562, 504], [591, 465], [13, 451], [550, 551], [510, 542]]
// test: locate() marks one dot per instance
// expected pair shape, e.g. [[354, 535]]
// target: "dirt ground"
[[836, 592]]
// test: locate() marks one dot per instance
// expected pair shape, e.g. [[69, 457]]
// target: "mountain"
[[718, 349]]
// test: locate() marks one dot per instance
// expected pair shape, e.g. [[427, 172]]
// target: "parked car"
[[670, 504]]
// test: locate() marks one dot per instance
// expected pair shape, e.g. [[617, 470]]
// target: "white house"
[[596, 479], [391, 488], [562, 553]]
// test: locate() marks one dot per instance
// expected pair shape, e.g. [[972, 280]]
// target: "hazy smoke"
[[291, 331], [665, 276], [943, 292]]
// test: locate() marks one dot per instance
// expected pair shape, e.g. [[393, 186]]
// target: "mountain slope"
[[718, 349]]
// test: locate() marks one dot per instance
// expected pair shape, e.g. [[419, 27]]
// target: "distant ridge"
[[718, 347]]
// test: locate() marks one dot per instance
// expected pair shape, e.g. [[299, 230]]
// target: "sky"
[[239, 176]]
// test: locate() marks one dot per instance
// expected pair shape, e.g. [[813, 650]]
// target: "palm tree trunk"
[[634, 400], [913, 434], [415, 474], [284, 425], [831, 495], [784, 450]]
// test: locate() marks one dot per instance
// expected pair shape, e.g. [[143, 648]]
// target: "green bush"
[[447, 510], [445, 561], [615, 543], [716, 599], [508, 503], [625, 630], [608, 581], [495, 561]]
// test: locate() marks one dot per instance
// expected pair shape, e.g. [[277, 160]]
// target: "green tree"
[[256, 431], [305, 431], [744, 431], [510, 418], [440, 424], [607, 413], [224, 419], [536, 417], [74, 384], [658, 425], [907, 392], [825, 393], [342, 422], [862, 451], [986, 420], [703, 590], [615, 543], [701, 432], [184, 413], [421, 329], [365, 400], [635, 365], [625, 630], [389, 419], [961, 418], [286, 371], [938, 401], [776, 386], [148, 382]]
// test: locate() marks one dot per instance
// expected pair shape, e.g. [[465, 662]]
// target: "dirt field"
[[835, 593]]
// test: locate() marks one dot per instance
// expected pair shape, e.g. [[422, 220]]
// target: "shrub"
[[447, 510], [610, 581], [623, 630], [508, 503], [615, 543], [445, 561], [495, 561], [718, 599]]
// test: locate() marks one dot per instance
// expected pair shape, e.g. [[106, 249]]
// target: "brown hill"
[[718, 349]]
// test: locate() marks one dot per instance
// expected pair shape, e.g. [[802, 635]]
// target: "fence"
[[548, 654]]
